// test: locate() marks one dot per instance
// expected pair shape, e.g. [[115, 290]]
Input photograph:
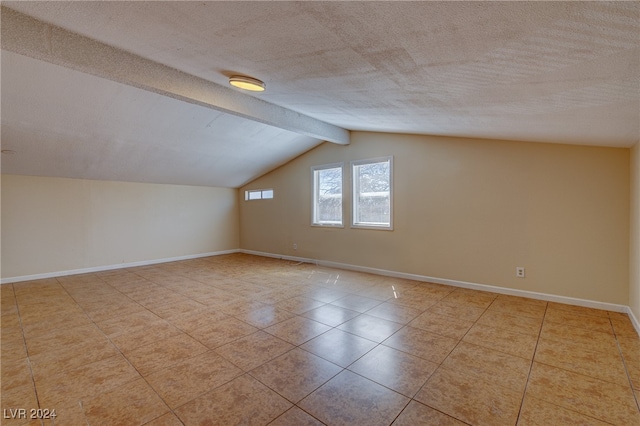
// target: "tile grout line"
[[171, 410], [247, 373], [121, 353], [626, 368], [107, 337], [26, 350], [265, 284], [76, 302], [524, 393], [449, 354], [569, 371], [295, 404], [439, 364], [412, 398]]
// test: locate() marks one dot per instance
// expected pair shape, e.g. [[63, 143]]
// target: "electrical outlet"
[[295, 246], [520, 272]]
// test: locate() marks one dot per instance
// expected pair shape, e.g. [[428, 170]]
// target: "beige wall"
[[634, 248], [53, 224], [468, 210]]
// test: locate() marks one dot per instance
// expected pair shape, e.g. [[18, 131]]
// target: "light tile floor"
[[240, 339]]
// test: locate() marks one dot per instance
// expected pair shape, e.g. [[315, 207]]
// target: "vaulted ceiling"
[[137, 91]]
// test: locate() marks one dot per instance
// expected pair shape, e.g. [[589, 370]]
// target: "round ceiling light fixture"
[[247, 83]]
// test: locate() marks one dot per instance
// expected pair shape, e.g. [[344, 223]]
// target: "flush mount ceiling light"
[[247, 83]]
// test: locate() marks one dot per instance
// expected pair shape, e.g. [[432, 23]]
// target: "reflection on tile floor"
[[240, 339]]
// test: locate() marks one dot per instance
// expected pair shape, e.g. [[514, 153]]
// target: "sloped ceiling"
[[65, 123], [560, 72]]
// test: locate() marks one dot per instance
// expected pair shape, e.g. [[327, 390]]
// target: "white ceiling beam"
[[36, 39]]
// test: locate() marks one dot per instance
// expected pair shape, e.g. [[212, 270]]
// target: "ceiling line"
[[30, 37]]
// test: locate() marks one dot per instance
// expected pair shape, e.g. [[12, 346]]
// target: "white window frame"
[[258, 194], [314, 196], [355, 192]]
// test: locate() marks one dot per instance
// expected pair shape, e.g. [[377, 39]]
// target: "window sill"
[[375, 227], [326, 225]]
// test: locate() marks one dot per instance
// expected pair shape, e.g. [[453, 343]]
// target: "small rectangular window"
[[372, 193], [258, 194], [327, 195]]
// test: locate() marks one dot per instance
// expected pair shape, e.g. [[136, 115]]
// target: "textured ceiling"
[[561, 72], [69, 124]]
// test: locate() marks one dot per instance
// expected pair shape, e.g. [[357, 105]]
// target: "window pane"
[[372, 194], [328, 196], [255, 195], [258, 194], [374, 177]]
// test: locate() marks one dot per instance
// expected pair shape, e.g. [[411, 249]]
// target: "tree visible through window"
[[372, 204], [327, 195]]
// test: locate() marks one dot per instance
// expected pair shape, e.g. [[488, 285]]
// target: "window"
[[258, 194], [327, 195], [372, 186]]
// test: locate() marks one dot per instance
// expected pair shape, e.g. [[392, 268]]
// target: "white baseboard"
[[112, 267], [634, 320], [455, 283]]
